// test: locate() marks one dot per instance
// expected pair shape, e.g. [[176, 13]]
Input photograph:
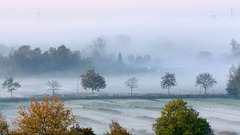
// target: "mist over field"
[[43, 41]]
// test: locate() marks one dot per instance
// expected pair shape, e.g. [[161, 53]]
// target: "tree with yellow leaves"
[[48, 117], [3, 124], [116, 129]]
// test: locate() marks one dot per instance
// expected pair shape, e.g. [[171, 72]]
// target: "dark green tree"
[[10, 85], [168, 81], [92, 80], [179, 119]]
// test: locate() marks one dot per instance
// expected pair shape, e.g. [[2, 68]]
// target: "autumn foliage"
[[116, 129], [3, 124], [44, 118]]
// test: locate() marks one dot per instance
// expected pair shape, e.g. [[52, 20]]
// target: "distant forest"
[[26, 60]]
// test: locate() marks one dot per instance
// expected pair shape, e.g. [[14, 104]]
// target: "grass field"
[[137, 115]]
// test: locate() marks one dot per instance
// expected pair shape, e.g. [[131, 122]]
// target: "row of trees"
[[95, 82], [204, 80], [50, 117], [28, 60]]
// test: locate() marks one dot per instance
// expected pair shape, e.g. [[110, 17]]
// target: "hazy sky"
[[199, 24]]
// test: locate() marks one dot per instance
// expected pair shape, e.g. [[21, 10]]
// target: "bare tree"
[[132, 83], [205, 80], [168, 81], [54, 85], [10, 85]]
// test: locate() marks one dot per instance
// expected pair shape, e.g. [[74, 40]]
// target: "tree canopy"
[[116, 129], [132, 83], [3, 125], [205, 80], [47, 117], [179, 119], [168, 81], [54, 85], [10, 85], [233, 84], [92, 80]]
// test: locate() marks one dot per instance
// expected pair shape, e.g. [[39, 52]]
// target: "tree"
[[138, 60], [119, 60], [3, 125], [130, 59], [147, 59], [179, 119], [116, 129], [132, 83], [168, 81], [44, 118], [205, 80], [54, 85], [10, 85], [233, 84], [77, 130], [92, 80], [235, 47]]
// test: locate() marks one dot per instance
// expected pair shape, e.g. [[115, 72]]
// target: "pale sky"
[[77, 22]]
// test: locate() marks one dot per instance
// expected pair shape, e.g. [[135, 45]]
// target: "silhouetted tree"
[[92, 80], [10, 85], [147, 59], [119, 60], [54, 85], [179, 119], [233, 84], [205, 80], [138, 60], [130, 59], [168, 81], [235, 47], [132, 83]]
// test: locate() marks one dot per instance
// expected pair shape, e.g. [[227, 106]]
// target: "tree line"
[[96, 82], [28, 60]]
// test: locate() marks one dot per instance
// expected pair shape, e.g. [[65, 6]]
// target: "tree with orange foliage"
[[3, 124], [48, 117], [116, 129]]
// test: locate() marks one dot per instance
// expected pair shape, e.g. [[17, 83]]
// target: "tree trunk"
[[92, 92], [168, 91], [205, 91], [131, 91], [11, 93], [200, 90]]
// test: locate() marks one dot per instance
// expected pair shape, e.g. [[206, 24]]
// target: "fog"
[[187, 25], [176, 34], [183, 37]]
